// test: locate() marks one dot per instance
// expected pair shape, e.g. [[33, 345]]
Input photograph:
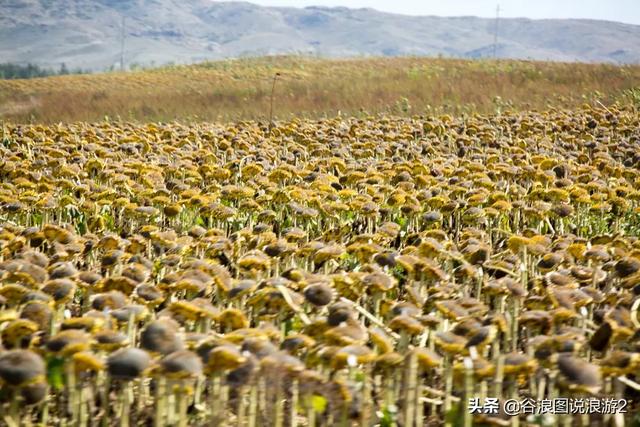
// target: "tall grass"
[[240, 89]]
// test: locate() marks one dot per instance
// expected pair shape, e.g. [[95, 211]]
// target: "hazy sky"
[[613, 10]]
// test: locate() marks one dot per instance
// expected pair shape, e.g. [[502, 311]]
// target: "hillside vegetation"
[[241, 89]]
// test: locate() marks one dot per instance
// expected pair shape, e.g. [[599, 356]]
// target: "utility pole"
[[122, 36], [273, 89], [495, 33]]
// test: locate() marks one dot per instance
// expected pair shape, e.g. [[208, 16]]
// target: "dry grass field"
[[314, 88]]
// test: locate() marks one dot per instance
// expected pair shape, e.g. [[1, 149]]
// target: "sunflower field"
[[370, 271]]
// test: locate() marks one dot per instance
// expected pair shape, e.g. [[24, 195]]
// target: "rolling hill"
[[87, 34]]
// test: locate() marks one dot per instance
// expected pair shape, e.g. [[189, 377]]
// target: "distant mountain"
[[87, 34]]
